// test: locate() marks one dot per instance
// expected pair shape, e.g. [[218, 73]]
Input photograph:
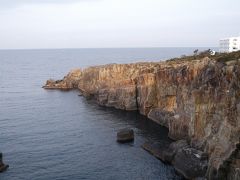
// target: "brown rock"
[[125, 135], [198, 100]]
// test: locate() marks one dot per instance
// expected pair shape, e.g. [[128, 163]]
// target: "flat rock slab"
[[158, 150], [189, 162], [125, 135]]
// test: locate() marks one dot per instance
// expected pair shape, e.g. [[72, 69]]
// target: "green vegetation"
[[220, 57], [224, 57]]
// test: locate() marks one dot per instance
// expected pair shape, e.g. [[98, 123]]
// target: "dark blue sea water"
[[55, 135]]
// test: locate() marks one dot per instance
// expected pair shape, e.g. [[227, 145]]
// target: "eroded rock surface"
[[188, 161], [196, 100]]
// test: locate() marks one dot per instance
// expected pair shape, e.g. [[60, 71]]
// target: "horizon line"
[[2, 49]]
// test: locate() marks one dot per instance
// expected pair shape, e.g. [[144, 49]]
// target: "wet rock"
[[125, 135], [173, 148], [189, 163], [158, 150], [164, 151], [3, 167]]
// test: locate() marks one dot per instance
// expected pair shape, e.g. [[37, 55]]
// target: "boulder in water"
[[125, 135], [3, 167]]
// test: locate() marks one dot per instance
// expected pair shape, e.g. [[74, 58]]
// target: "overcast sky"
[[116, 23]]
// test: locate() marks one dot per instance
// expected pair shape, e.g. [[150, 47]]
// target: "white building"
[[229, 44]]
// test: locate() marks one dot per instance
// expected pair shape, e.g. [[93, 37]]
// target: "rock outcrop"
[[189, 162], [125, 135], [197, 100], [3, 167]]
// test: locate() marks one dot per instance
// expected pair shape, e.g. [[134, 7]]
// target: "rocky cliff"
[[197, 100]]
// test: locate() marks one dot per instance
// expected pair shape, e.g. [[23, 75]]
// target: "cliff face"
[[196, 100]]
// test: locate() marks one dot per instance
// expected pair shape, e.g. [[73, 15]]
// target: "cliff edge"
[[198, 100]]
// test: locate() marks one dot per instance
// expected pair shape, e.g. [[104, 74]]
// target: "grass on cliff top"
[[220, 57]]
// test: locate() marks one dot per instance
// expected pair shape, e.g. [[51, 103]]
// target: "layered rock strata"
[[197, 100]]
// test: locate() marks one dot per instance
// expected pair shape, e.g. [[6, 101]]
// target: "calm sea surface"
[[54, 135]]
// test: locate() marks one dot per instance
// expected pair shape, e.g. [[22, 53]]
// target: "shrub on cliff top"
[[224, 57], [220, 57]]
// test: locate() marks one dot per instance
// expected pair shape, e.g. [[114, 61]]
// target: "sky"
[[33, 24]]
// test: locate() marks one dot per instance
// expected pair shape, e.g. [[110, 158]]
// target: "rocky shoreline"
[[197, 99], [187, 161]]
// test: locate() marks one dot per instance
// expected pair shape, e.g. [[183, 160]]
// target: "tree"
[[195, 52]]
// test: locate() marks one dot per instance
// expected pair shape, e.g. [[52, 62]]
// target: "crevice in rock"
[[136, 95]]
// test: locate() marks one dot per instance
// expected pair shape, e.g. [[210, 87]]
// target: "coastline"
[[196, 99]]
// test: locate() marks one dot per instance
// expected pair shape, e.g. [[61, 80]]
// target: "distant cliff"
[[197, 100]]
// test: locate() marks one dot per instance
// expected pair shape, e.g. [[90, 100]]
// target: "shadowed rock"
[[3, 167], [158, 150], [164, 152], [125, 135], [189, 162]]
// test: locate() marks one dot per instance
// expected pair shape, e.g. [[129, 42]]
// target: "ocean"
[[57, 135]]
